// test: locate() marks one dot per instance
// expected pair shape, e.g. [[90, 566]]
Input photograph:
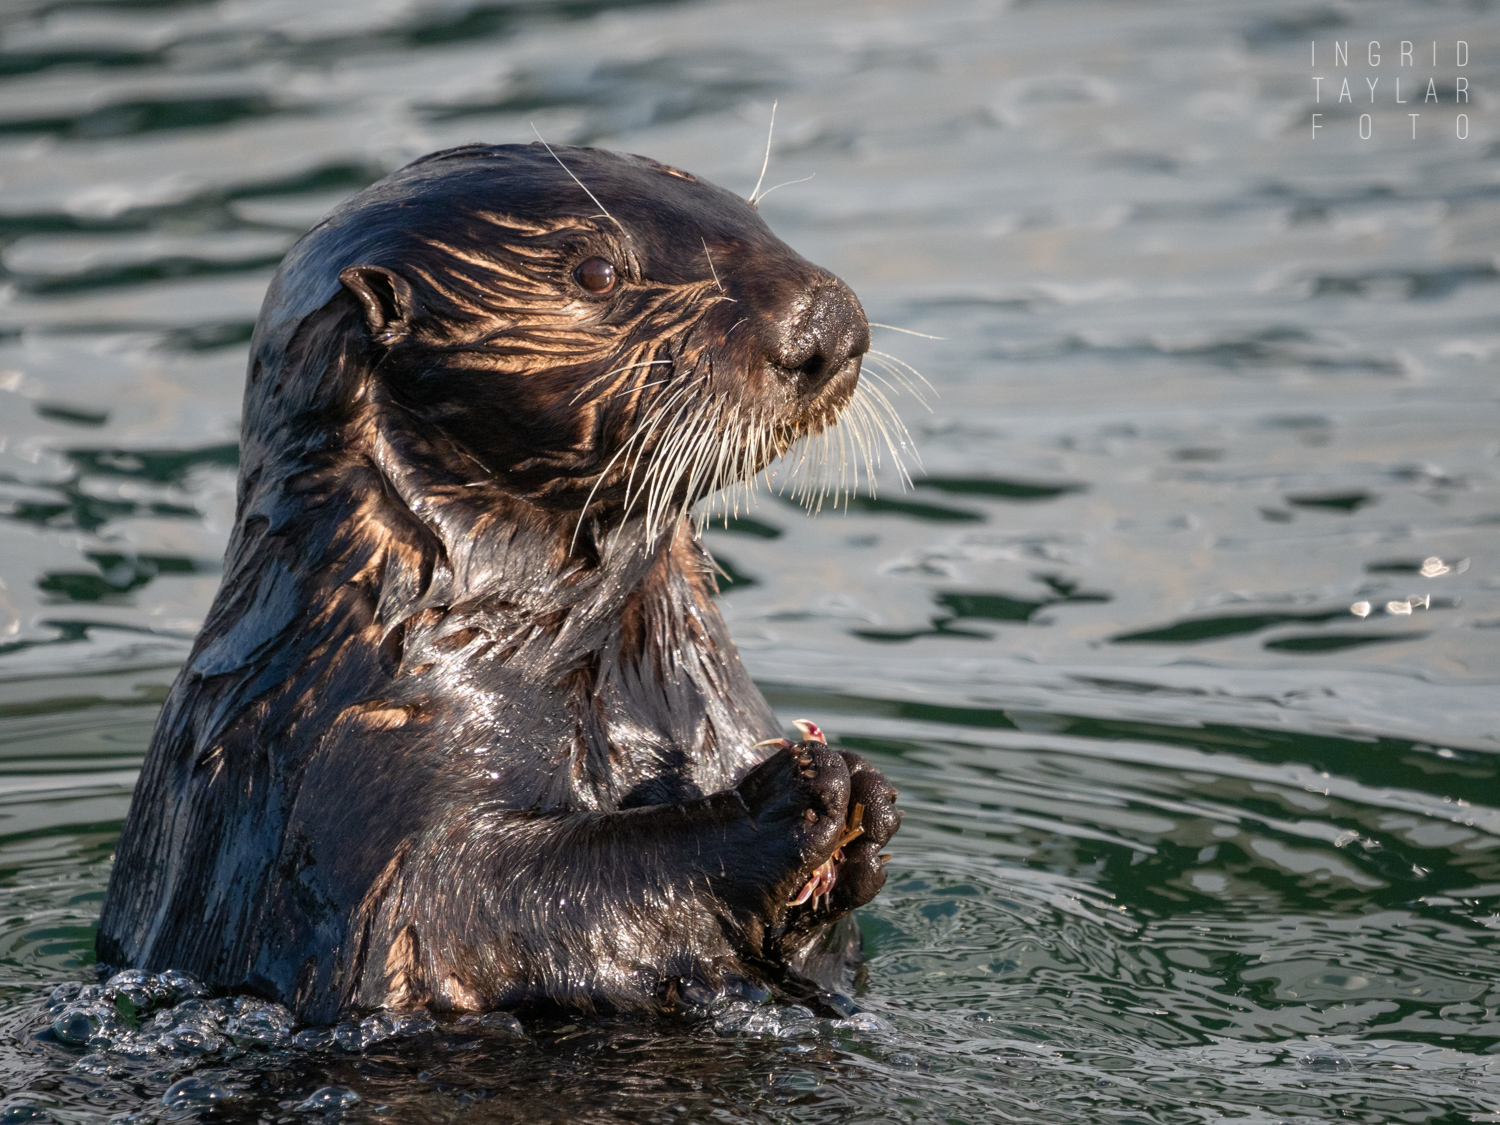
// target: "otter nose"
[[815, 346]]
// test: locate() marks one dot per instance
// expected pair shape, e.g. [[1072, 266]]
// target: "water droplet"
[[129, 978], [376, 1029], [901, 1060], [259, 1025], [80, 1023], [868, 1021], [503, 1022], [182, 986], [349, 1037], [62, 995], [414, 1023], [314, 1038], [329, 1098], [195, 1093], [1325, 1058]]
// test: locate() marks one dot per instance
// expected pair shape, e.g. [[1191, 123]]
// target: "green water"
[[1183, 649]]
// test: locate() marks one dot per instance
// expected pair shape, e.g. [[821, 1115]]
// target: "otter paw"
[[799, 795], [858, 867], [854, 870]]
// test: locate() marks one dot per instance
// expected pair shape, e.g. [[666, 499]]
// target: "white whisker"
[[579, 182], [715, 272], [785, 183], [902, 363], [766, 163], [908, 331], [615, 371], [642, 387]]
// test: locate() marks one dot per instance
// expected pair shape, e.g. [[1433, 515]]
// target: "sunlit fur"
[[464, 726]]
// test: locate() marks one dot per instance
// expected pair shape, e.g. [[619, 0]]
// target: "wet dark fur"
[[442, 740]]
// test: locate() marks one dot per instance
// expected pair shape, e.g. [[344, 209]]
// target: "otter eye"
[[596, 275]]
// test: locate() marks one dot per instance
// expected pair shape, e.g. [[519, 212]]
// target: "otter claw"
[[820, 883], [779, 743]]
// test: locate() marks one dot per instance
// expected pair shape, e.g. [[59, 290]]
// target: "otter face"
[[597, 332]]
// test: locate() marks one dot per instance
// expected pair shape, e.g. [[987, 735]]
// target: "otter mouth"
[[844, 435], [829, 400]]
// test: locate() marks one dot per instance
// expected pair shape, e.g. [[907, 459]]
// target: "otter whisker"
[[766, 163], [752, 448], [908, 331], [670, 463], [875, 428], [713, 271], [589, 499], [718, 466], [858, 441], [642, 387], [893, 431], [903, 364], [786, 183], [846, 452], [865, 437], [730, 476], [579, 182], [742, 451], [690, 462], [839, 460], [652, 417], [705, 463], [885, 419], [731, 435], [891, 378], [597, 379], [707, 467], [676, 403], [667, 464]]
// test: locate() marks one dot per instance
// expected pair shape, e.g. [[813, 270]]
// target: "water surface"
[[1183, 649]]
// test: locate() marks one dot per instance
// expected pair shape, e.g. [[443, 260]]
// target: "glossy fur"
[[464, 727]]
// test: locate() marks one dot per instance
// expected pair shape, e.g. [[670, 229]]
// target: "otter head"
[[600, 335]]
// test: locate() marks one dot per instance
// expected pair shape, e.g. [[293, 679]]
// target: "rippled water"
[[1186, 838]]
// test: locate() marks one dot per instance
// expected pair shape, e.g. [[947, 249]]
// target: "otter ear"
[[387, 299]]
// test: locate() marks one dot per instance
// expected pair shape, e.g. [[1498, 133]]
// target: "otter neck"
[[487, 541], [618, 655]]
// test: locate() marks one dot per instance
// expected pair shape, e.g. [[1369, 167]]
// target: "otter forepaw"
[[800, 793], [854, 871], [859, 866]]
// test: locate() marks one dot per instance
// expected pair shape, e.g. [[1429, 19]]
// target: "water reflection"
[[1181, 648]]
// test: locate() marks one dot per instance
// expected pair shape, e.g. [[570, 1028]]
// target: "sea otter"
[[464, 728]]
